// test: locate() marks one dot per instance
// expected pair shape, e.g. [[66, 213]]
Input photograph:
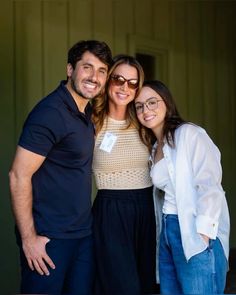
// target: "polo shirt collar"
[[70, 102]]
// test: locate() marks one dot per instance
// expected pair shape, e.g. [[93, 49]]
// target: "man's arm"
[[25, 164]]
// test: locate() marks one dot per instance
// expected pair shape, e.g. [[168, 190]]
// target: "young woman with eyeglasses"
[[124, 218], [186, 170]]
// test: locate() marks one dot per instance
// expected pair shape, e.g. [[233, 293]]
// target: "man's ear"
[[69, 70]]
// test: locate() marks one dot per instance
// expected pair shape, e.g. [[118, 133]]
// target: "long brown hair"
[[172, 119], [100, 104]]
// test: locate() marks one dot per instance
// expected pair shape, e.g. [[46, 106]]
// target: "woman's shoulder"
[[189, 129]]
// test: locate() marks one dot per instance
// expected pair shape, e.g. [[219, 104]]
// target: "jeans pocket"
[[52, 243], [211, 243], [208, 245]]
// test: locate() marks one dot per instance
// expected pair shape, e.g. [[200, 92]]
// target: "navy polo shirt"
[[56, 129]]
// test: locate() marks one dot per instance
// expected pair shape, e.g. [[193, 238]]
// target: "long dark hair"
[[172, 119]]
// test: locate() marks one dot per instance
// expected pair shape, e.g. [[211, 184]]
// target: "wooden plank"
[[194, 63], [9, 269], [225, 99], [80, 20], [209, 36], [161, 20], [232, 192], [28, 58], [7, 77], [224, 115], [144, 18], [123, 25], [223, 60], [178, 63], [102, 16], [55, 43], [158, 51]]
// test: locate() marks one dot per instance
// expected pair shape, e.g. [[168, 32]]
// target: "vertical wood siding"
[[194, 42]]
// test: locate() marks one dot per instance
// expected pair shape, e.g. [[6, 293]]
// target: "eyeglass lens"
[[151, 104]]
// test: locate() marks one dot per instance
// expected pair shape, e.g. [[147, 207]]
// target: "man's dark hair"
[[100, 49]]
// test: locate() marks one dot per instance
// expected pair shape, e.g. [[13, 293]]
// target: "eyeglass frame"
[[146, 104], [116, 82]]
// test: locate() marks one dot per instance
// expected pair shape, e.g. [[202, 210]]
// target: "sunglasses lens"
[[133, 84], [119, 81]]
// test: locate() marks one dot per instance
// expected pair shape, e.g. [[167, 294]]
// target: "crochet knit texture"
[[126, 166]]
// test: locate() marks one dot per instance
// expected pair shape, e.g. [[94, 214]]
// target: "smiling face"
[[150, 109], [121, 95], [88, 78]]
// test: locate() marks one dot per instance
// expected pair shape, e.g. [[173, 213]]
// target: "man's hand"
[[35, 252]]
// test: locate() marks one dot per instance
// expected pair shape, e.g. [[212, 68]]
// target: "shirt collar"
[[71, 104]]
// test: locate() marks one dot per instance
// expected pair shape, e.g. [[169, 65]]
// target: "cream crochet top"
[[126, 166]]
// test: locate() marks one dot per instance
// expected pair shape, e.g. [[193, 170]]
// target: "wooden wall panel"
[[80, 20], [7, 102], [232, 187], [9, 269], [223, 117], [161, 20], [196, 38], [209, 70], [194, 62], [28, 57], [144, 18], [155, 48], [178, 63], [224, 82], [103, 21], [55, 43], [123, 25]]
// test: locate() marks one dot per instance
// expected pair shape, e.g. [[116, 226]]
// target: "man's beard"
[[77, 91]]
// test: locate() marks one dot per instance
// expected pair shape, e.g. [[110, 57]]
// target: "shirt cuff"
[[207, 226]]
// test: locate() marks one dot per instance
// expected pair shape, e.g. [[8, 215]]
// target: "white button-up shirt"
[[195, 172]]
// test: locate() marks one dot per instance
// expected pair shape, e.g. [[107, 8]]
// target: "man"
[[50, 179]]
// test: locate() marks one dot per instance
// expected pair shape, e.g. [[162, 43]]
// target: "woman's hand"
[[205, 238]]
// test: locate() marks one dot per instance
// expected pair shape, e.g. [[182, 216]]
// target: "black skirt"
[[125, 242]]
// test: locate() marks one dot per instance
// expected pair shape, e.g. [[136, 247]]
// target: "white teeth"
[[149, 118], [121, 96], [90, 85]]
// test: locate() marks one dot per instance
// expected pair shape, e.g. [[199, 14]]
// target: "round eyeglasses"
[[151, 104], [119, 80]]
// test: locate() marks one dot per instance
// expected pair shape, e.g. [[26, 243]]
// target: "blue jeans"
[[204, 273], [74, 272]]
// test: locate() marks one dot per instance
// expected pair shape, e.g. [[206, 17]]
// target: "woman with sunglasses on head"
[[124, 219], [194, 240]]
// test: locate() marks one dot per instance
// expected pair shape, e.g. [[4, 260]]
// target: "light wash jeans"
[[204, 273]]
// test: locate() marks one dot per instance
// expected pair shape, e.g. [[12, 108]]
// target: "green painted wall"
[[193, 43]]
